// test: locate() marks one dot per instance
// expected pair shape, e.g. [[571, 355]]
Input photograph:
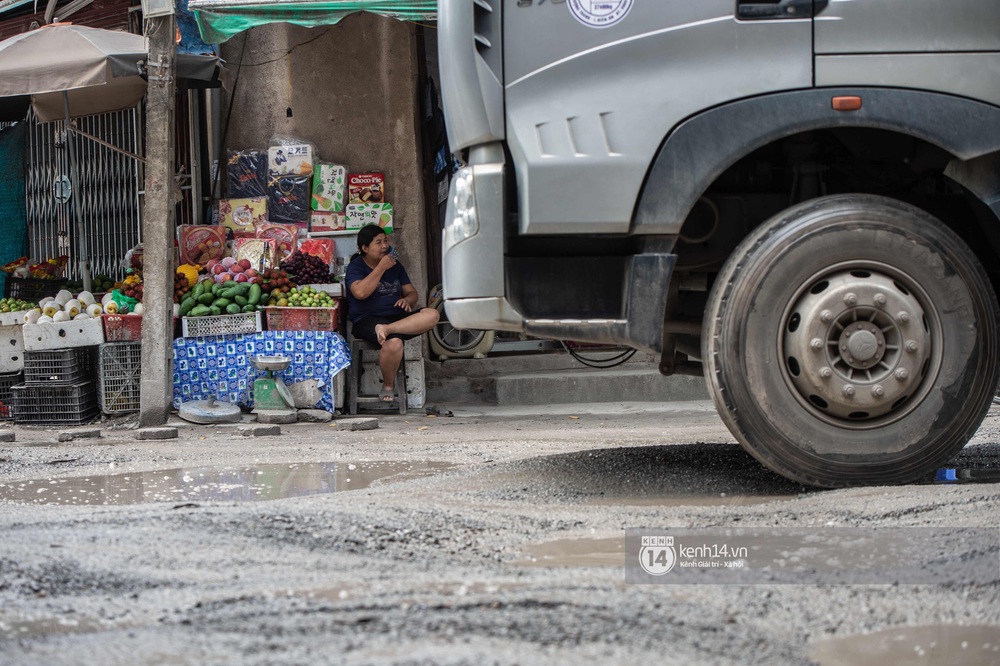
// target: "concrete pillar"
[[156, 380]]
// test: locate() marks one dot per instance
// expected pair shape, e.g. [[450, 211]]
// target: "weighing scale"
[[269, 392]]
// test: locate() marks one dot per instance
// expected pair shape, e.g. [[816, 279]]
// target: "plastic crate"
[[302, 319], [6, 382], [55, 405], [126, 328], [122, 328], [118, 380], [59, 366], [32, 289], [234, 324]]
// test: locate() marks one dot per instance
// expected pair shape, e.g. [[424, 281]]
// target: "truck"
[[798, 199]]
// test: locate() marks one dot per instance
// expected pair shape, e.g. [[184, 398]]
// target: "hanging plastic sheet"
[[13, 231], [219, 20]]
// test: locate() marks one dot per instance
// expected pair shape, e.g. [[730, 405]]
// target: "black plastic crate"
[[7, 381], [55, 405], [118, 377], [32, 289], [59, 366]]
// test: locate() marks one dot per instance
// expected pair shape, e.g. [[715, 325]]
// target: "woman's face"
[[378, 248]]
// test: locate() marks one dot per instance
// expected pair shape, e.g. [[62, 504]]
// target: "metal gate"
[[105, 191]]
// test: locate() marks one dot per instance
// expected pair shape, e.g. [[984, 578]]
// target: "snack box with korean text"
[[360, 215], [242, 216], [365, 188], [322, 221], [291, 159], [329, 187]]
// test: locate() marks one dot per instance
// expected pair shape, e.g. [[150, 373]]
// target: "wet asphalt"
[[493, 536]]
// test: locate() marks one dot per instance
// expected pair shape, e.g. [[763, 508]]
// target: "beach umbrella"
[[69, 70]]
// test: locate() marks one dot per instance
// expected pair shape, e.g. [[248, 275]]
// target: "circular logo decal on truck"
[[599, 13]]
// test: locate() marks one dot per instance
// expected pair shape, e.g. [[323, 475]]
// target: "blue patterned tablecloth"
[[219, 365]]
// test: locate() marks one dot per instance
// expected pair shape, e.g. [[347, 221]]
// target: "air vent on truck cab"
[[488, 34]]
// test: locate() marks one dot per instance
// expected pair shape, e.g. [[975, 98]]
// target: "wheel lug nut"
[[816, 344], [879, 300], [912, 346], [903, 317], [848, 390], [851, 298], [878, 391], [902, 374], [826, 316], [825, 373]]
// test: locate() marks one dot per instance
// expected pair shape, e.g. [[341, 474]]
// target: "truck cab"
[[797, 199]]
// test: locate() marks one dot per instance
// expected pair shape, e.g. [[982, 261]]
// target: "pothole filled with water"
[[252, 483], [974, 645]]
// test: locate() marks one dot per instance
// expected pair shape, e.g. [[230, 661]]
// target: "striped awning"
[[218, 20]]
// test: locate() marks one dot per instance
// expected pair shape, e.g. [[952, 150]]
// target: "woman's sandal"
[[387, 394]]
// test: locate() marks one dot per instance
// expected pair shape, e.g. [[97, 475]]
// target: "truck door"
[[950, 47], [593, 87]]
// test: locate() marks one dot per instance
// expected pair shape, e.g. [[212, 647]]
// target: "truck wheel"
[[446, 341], [852, 340]]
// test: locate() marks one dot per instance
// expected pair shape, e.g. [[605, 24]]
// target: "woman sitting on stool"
[[381, 303]]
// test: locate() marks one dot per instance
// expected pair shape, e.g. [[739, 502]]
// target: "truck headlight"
[[464, 221]]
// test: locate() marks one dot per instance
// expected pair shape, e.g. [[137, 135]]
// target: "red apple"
[[245, 264], [240, 277], [250, 272]]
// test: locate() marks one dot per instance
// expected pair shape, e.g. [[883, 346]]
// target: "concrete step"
[[555, 378], [623, 384]]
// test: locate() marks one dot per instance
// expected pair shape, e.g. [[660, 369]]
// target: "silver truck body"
[[599, 132]]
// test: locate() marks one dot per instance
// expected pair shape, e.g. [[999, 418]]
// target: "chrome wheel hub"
[[857, 345]]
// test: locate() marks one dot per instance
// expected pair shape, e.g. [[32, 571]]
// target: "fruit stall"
[[257, 302], [70, 355]]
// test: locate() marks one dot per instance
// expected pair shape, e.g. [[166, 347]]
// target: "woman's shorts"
[[365, 328]]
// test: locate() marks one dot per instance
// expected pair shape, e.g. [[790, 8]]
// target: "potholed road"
[[477, 539]]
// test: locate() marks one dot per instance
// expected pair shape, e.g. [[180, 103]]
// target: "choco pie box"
[[366, 188]]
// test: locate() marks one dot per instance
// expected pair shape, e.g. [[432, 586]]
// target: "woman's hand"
[[386, 262]]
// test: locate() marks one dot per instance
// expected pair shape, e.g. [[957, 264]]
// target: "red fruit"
[[245, 264], [251, 272], [218, 268], [240, 277], [236, 268]]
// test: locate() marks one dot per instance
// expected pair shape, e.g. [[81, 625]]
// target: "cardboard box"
[[323, 221], [292, 159], [241, 216], [360, 215], [365, 188], [329, 187]]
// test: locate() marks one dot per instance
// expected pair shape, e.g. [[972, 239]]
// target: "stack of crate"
[[11, 360], [60, 373], [58, 388]]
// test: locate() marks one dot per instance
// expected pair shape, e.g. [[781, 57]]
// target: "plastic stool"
[[354, 372]]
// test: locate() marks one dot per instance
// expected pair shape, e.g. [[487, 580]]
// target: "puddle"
[[976, 645], [255, 483], [13, 629], [958, 475], [722, 499], [608, 552]]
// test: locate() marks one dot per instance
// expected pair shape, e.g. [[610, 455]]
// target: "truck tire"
[[446, 341], [852, 340]]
